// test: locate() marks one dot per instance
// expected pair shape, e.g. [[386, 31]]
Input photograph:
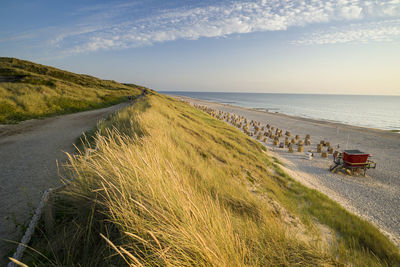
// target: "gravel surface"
[[29, 152], [375, 197]]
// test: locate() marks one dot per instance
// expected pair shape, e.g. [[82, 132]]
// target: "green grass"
[[355, 233], [170, 185], [32, 90]]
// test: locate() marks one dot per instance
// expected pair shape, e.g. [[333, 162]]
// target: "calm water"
[[381, 112]]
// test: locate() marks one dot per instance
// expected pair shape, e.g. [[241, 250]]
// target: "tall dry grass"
[[171, 186], [44, 91]]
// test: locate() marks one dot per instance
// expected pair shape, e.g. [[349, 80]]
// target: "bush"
[[6, 108]]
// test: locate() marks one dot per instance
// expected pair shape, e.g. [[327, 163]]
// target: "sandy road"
[[28, 155]]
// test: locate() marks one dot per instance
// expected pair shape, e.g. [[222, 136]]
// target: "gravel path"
[[28, 155], [375, 197]]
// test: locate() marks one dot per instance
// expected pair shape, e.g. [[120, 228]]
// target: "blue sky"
[[307, 46]]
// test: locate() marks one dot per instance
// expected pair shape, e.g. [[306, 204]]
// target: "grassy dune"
[[29, 90], [170, 185]]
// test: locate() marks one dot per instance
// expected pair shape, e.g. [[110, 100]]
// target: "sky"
[[269, 46]]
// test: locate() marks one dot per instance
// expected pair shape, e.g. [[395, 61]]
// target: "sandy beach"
[[375, 197]]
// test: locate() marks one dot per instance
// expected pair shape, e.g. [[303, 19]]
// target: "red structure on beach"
[[355, 157], [353, 160]]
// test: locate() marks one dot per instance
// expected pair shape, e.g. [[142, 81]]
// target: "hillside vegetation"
[[30, 90], [169, 185]]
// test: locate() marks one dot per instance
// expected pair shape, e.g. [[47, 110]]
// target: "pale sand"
[[375, 197]]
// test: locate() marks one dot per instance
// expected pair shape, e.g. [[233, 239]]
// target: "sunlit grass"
[[45, 91], [170, 185]]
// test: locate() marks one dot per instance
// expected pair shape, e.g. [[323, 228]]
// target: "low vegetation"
[[29, 90], [170, 185]]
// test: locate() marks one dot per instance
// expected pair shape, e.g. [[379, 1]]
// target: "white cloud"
[[382, 31], [226, 19]]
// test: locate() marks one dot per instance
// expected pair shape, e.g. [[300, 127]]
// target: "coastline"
[[282, 115], [375, 198], [381, 113]]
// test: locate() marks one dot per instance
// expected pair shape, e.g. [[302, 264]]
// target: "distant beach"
[[380, 112], [375, 197]]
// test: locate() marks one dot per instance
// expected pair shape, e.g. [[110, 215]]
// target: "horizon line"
[[272, 93]]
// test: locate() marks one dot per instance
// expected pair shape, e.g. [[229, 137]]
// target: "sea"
[[380, 112]]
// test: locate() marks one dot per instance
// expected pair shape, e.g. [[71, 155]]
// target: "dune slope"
[[170, 185], [29, 90]]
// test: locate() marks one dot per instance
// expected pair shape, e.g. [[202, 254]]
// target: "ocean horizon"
[[372, 111]]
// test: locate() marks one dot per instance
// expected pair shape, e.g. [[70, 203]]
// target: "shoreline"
[[265, 110], [283, 115], [375, 198]]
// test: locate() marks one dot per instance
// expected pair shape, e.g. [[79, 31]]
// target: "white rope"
[[38, 212], [35, 219], [29, 232]]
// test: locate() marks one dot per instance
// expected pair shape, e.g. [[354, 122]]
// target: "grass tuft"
[[29, 90], [169, 185]]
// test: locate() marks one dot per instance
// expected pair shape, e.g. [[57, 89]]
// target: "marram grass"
[[29, 90], [171, 186]]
